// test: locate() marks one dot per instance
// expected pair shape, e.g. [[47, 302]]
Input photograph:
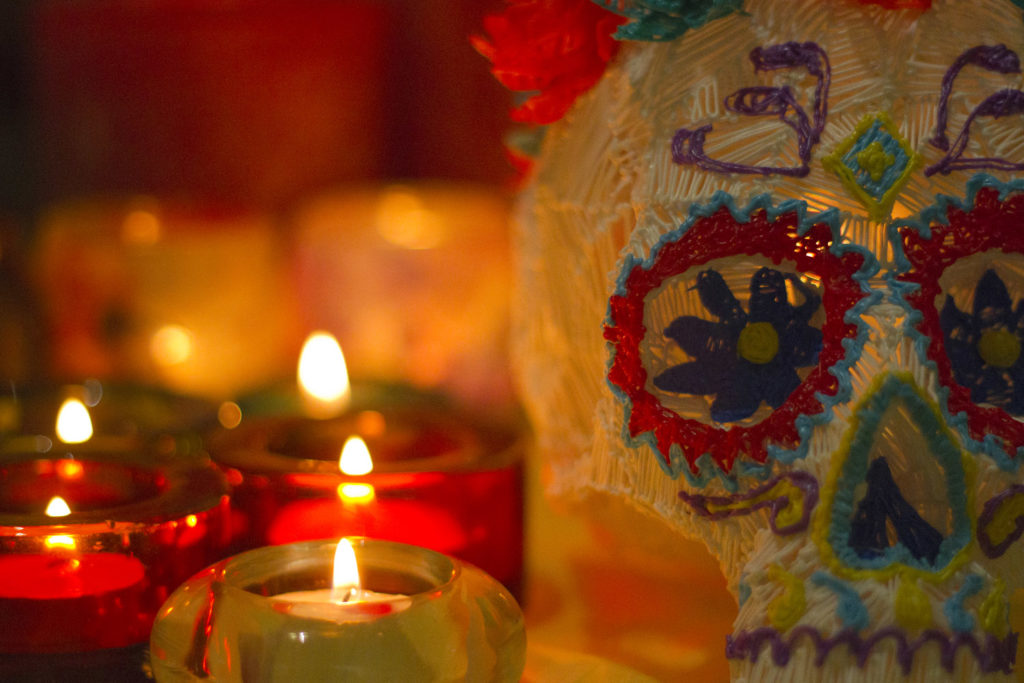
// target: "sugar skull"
[[772, 291]]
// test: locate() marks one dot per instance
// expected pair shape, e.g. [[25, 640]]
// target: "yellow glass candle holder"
[[448, 621]]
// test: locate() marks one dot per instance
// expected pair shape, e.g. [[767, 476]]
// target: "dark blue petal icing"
[[718, 367]]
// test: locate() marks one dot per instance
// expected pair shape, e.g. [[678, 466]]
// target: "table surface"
[[603, 607]]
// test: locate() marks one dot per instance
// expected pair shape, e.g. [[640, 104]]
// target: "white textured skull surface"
[[772, 291]]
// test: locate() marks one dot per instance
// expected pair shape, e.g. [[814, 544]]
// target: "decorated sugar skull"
[[772, 291]]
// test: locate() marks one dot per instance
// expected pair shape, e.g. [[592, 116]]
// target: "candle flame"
[[356, 493], [57, 507], [60, 541], [346, 585], [73, 422], [323, 376], [355, 457], [70, 469]]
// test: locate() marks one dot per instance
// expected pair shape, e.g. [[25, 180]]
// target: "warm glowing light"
[[73, 422], [370, 423], [403, 220], [355, 457], [140, 227], [356, 493], [346, 585], [57, 507], [191, 521], [171, 345], [323, 377], [70, 469], [60, 542], [229, 414]]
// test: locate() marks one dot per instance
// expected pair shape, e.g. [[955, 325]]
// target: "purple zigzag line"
[[994, 550], [994, 655], [802, 480]]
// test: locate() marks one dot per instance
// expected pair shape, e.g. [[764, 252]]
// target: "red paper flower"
[[556, 49]]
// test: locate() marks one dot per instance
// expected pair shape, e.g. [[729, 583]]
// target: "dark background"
[[230, 100]]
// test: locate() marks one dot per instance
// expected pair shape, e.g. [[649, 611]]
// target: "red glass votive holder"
[[90, 582], [442, 478]]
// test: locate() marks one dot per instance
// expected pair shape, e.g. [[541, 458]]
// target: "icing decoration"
[[553, 49], [1001, 521], [851, 609], [959, 618], [789, 497], [763, 100], [661, 20], [715, 231], [995, 610], [845, 534], [993, 655], [882, 505], [984, 346], [785, 610], [556, 50], [910, 606], [738, 358], [1005, 102], [874, 163], [988, 220]]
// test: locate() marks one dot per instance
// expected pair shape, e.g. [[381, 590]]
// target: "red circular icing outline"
[[708, 238], [990, 224]]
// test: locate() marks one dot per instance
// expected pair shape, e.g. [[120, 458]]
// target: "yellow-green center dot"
[[998, 348], [758, 343], [875, 160]]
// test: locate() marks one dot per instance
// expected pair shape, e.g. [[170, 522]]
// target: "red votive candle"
[[442, 478], [135, 526]]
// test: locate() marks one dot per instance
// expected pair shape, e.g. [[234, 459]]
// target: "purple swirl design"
[[733, 506]]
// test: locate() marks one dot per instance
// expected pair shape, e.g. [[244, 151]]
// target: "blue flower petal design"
[[984, 346], [992, 305], [744, 359], [719, 299], [699, 337]]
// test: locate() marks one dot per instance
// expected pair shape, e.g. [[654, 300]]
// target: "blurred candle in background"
[[195, 298], [415, 280]]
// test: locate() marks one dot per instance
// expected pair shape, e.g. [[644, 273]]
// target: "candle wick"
[[348, 595]]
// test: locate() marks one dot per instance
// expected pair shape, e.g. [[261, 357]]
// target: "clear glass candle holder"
[[449, 621]]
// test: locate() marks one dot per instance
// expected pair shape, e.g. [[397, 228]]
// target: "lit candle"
[[346, 590], [439, 476], [425, 617], [90, 546], [358, 510], [323, 377], [94, 416], [73, 422]]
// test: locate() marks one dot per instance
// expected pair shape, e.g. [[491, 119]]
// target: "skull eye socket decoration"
[[960, 261], [704, 374]]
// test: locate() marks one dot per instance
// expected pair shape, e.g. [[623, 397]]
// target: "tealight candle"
[[269, 615], [346, 589]]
